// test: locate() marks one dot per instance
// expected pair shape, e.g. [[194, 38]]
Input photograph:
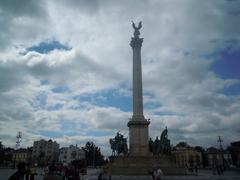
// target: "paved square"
[[92, 175]]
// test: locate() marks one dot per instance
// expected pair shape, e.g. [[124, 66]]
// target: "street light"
[[221, 148], [93, 156]]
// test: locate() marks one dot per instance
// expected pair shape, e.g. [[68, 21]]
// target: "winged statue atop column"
[[136, 29]]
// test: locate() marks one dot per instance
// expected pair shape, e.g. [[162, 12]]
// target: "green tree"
[[182, 144], [1, 146], [93, 154], [6, 155]]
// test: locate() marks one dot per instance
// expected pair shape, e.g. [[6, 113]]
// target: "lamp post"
[[221, 148], [93, 156]]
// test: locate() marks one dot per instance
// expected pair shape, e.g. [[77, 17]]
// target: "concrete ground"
[[92, 175], [202, 175]]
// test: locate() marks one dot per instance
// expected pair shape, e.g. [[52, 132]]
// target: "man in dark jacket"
[[19, 175]]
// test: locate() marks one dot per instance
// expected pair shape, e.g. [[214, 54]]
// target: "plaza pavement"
[[92, 175], [202, 175]]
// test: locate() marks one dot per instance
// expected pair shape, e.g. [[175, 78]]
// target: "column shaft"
[[137, 83]]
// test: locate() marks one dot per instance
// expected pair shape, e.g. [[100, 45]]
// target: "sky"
[[66, 70]]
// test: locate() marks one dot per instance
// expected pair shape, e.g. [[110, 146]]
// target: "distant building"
[[45, 152], [235, 151], [68, 154], [216, 156], [187, 157], [21, 155]]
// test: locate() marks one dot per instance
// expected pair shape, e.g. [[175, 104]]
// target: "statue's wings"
[[139, 25], [133, 25]]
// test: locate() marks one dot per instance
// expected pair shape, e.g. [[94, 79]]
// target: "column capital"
[[136, 42]]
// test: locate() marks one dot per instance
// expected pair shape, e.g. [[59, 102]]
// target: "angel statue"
[[136, 29]]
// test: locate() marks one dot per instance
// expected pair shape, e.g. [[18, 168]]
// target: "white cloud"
[[178, 36]]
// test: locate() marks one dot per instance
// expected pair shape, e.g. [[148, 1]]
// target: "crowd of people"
[[59, 172], [217, 168], [51, 172]]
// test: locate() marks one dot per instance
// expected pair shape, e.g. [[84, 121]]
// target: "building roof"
[[21, 151], [235, 143], [213, 150]]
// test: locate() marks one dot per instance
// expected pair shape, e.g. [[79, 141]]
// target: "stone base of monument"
[[144, 165]]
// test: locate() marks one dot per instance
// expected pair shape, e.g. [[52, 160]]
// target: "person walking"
[[27, 172], [157, 174], [196, 169], [104, 174], [33, 172], [19, 175], [72, 173], [52, 175]]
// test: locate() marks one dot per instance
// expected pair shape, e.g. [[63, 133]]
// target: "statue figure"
[[157, 146], [136, 29], [162, 145], [151, 145], [164, 135], [119, 145], [113, 146], [165, 142]]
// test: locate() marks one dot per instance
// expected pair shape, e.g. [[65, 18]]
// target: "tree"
[[6, 155], [93, 154], [1, 146], [182, 144]]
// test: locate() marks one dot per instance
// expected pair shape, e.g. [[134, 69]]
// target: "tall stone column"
[[138, 125], [136, 44]]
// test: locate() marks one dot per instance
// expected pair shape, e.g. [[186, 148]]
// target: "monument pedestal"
[[138, 137], [144, 165]]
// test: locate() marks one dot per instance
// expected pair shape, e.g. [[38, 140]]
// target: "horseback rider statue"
[[119, 145]]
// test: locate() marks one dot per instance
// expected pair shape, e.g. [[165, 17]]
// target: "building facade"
[[45, 152], [187, 157], [68, 154], [21, 155], [218, 157], [235, 152]]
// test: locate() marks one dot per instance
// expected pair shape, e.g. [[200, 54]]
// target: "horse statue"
[[118, 145]]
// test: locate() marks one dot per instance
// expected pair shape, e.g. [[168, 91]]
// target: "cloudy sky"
[[66, 69]]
